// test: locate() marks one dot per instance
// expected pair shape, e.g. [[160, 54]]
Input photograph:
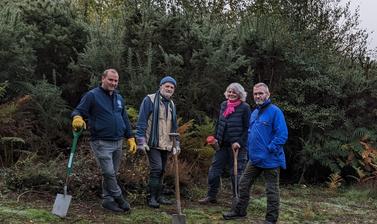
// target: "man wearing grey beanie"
[[157, 118]]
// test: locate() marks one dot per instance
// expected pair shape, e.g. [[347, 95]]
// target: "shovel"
[[177, 218], [235, 171], [62, 201]]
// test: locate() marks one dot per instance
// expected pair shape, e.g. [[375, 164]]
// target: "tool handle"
[[76, 135], [174, 136], [235, 171], [177, 191]]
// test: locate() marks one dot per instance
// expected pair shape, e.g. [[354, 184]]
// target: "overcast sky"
[[368, 18]]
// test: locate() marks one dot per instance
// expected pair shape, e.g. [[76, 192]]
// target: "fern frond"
[[3, 87], [183, 129], [335, 181], [360, 132]]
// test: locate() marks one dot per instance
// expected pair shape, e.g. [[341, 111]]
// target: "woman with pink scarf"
[[231, 135]]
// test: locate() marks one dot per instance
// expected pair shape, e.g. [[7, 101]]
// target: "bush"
[[31, 173]]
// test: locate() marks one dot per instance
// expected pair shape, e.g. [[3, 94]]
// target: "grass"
[[299, 204]]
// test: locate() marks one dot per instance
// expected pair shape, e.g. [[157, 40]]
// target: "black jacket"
[[233, 128]]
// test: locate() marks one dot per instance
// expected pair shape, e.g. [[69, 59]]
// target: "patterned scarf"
[[153, 141], [230, 105]]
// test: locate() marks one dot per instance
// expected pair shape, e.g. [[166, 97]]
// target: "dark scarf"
[[153, 141]]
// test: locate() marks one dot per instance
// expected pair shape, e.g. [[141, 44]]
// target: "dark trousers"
[[222, 158], [271, 177], [157, 162]]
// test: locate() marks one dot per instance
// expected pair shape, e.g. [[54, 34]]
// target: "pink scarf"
[[230, 105]]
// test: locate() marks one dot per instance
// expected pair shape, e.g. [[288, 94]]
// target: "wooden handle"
[[177, 191], [235, 171]]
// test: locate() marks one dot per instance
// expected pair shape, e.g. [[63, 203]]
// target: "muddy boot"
[[161, 199], [152, 201], [154, 190], [233, 215], [123, 204], [111, 206], [207, 200], [238, 211], [234, 203], [164, 201]]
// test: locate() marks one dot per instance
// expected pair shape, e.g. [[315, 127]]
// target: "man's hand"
[[176, 149], [131, 145], [142, 146], [236, 146], [78, 123]]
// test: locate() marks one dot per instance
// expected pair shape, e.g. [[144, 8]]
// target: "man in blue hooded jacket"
[[267, 134]]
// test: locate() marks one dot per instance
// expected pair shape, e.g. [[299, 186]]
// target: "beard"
[[166, 94], [260, 101]]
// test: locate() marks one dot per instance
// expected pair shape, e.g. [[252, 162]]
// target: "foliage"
[[335, 181], [58, 36], [364, 162], [10, 150], [195, 153], [7, 112], [31, 173], [312, 54], [17, 57], [48, 106], [132, 114], [3, 87], [46, 119], [103, 50]]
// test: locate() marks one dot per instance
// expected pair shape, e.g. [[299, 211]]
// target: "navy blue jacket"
[[233, 128], [107, 115]]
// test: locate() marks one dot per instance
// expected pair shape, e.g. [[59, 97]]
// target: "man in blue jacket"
[[267, 134], [108, 121]]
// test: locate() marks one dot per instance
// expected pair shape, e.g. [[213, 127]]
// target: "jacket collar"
[[107, 92], [265, 104]]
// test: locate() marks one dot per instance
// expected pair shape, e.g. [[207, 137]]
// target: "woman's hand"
[[235, 146]]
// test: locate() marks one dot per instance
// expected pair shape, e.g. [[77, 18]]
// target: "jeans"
[[108, 155], [222, 158], [248, 178]]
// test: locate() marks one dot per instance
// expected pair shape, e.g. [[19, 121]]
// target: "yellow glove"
[[78, 123], [131, 145]]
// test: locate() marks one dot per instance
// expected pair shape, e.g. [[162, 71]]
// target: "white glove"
[[176, 150]]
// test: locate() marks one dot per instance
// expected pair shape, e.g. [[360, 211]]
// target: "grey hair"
[[261, 84], [238, 88]]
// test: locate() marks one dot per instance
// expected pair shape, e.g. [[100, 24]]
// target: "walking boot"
[[233, 215], [164, 201], [268, 222], [111, 206], [123, 204], [207, 200]]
